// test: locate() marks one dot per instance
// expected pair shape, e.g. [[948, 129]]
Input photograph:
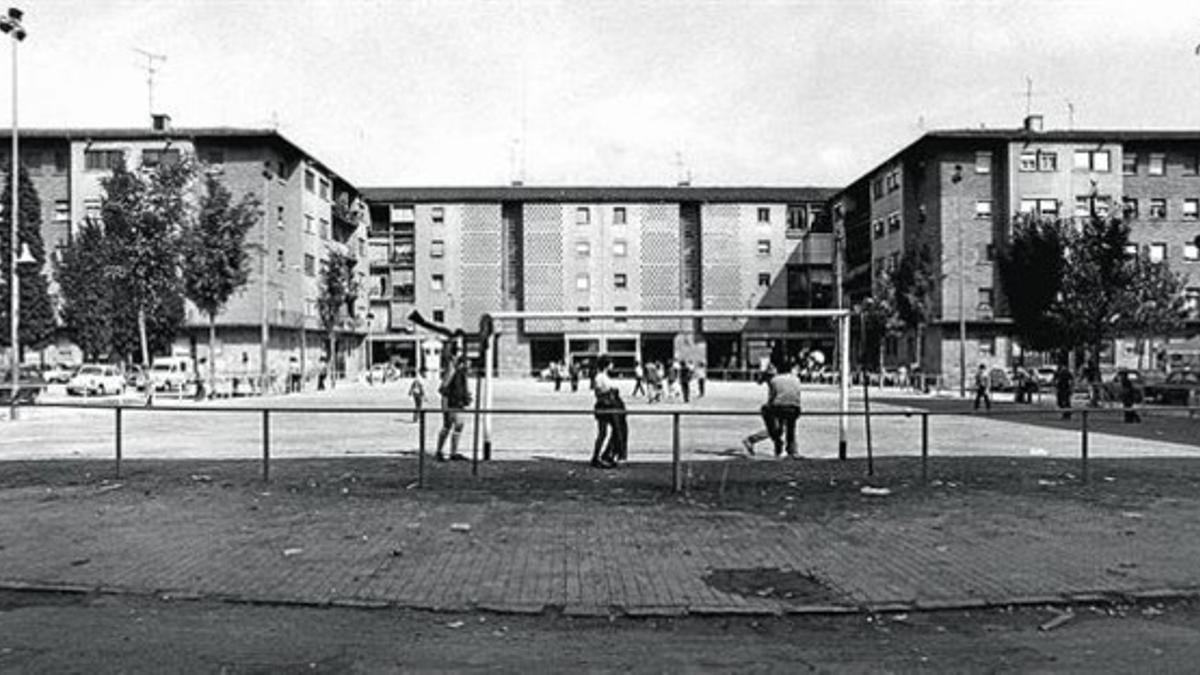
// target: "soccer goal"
[[497, 321]]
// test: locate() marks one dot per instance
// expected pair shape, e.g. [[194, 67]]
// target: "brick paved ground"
[[597, 542]]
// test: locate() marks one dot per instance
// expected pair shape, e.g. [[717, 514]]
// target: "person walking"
[[653, 383], [639, 377], [1064, 385], [673, 381], [573, 373], [417, 392], [455, 398], [612, 429], [1129, 396], [685, 381], [556, 374], [700, 379], [779, 413], [983, 388]]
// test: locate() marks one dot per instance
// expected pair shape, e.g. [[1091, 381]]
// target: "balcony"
[[344, 214]]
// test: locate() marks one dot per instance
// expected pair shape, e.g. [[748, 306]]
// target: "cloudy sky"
[[400, 92]]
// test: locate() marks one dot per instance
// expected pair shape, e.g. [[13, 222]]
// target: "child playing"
[[417, 392]]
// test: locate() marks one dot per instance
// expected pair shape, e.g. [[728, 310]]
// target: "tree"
[[1097, 287], [143, 216], [213, 246], [87, 303], [1032, 268], [37, 311], [1157, 303], [878, 318], [913, 285], [339, 290]]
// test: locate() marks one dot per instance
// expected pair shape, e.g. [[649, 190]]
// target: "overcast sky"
[[396, 92]]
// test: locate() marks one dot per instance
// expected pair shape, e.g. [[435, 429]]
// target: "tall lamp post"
[[264, 249], [956, 178], [11, 25]]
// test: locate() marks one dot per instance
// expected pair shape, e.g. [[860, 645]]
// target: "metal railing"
[[265, 413]]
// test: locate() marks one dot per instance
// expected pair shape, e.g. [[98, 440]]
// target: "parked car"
[[1110, 389], [1045, 375], [1000, 379], [172, 373], [1181, 386], [30, 385], [94, 379], [135, 377], [59, 373]]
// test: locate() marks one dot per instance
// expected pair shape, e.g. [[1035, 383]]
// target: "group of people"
[[673, 382]]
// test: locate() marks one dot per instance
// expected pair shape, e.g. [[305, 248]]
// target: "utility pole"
[[151, 70], [956, 178]]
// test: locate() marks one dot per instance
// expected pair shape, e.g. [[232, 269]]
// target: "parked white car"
[[172, 373], [96, 379]]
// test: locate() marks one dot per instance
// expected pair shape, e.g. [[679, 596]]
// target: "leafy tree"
[[1032, 268], [37, 311], [878, 318], [1097, 288], [143, 216], [339, 290], [87, 308], [213, 247], [913, 285], [1157, 305]]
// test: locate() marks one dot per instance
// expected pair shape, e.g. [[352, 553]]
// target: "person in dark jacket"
[[573, 372], [1129, 396], [1064, 385], [456, 396], [612, 430]]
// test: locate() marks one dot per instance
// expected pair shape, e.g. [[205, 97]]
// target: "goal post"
[[842, 337]]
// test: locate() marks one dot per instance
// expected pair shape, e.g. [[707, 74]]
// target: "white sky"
[[398, 92]]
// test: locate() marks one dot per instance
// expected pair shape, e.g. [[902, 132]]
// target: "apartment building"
[[308, 211], [454, 253], [960, 190]]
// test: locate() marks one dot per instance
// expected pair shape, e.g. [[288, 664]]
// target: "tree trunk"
[[212, 361], [145, 347], [330, 366]]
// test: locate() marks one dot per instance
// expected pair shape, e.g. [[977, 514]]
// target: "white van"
[[172, 373]]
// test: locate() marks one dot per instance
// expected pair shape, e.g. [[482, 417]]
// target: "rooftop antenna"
[[1070, 115], [920, 122], [682, 171], [1029, 94], [151, 69]]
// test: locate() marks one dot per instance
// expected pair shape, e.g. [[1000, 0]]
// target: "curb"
[[1065, 600]]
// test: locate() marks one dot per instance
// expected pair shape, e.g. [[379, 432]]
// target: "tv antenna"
[[151, 66], [1070, 114]]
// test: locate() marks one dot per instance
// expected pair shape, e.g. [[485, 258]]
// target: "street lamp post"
[[956, 178], [11, 26], [264, 250]]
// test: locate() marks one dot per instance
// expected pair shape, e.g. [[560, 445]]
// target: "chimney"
[[160, 122], [1033, 123]]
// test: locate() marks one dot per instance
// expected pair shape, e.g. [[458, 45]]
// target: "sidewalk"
[[595, 543]]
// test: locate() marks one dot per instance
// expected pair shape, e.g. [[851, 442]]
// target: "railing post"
[[420, 447], [676, 473], [118, 439], [1083, 428], [924, 447], [266, 445]]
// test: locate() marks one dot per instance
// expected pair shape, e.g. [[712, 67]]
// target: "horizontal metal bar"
[[674, 314]]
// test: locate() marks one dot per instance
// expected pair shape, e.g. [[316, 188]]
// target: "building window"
[[989, 253], [439, 215], [986, 297], [1190, 252], [764, 216], [1192, 301], [437, 282], [582, 281], [764, 247], [987, 346], [620, 309], [1158, 208], [620, 248], [583, 308], [212, 156], [1158, 164], [310, 264], [983, 162], [1129, 206], [325, 189], [1047, 161], [983, 209], [91, 210], [1129, 164], [279, 261], [102, 160], [583, 216], [619, 215], [764, 280], [1158, 252], [437, 248], [620, 280], [308, 224], [1131, 250], [439, 315], [153, 158], [797, 218], [62, 211], [1191, 209], [1028, 161], [583, 248], [1092, 160], [310, 180], [324, 228], [893, 180], [1191, 164], [893, 222], [877, 227], [279, 217], [403, 214], [877, 188]]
